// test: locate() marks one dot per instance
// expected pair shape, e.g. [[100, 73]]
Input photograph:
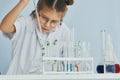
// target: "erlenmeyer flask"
[[110, 62]]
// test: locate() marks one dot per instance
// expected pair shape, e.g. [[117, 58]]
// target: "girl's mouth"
[[44, 29]]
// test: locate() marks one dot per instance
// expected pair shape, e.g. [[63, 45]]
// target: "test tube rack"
[[63, 65]]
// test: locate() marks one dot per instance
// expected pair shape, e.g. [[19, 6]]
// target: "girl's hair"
[[58, 5]]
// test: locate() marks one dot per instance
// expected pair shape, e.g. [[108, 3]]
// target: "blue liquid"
[[109, 68], [100, 69], [70, 67]]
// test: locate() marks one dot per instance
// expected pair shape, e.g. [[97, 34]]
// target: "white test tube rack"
[[69, 60]]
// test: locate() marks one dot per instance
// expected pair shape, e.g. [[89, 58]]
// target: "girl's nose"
[[48, 24]]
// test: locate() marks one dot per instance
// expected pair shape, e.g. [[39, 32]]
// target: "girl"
[[28, 42]]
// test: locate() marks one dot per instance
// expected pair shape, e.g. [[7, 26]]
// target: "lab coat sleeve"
[[19, 24]]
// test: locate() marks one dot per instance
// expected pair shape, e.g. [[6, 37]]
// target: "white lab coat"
[[26, 47]]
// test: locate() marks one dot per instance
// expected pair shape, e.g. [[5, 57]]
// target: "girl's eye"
[[54, 21], [44, 18]]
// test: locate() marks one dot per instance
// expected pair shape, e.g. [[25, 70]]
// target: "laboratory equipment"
[[110, 62]]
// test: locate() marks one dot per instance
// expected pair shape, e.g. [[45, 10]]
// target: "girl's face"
[[49, 19]]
